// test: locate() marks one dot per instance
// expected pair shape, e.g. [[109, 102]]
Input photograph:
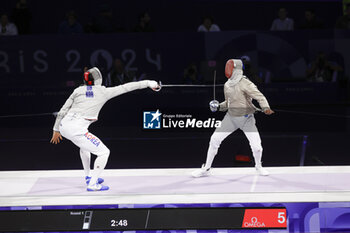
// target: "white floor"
[[165, 186]]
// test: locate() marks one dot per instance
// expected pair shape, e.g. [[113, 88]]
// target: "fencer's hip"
[[231, 123], [73, 124]]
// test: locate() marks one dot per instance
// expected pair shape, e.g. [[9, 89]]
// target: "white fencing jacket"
[[238, 98], [87, 101]]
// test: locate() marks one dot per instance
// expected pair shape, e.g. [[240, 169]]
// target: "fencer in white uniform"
[[79, 111], [239, 92]]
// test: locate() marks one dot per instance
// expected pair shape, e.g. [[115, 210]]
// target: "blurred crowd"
[[19, 21], [321, 69]]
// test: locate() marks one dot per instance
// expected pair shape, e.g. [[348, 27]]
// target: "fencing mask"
[[234, 71], [93, 76]]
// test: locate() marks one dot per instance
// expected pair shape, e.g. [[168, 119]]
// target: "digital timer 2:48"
[[119, 223]]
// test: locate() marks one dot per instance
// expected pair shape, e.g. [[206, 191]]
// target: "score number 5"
[[281, 217]]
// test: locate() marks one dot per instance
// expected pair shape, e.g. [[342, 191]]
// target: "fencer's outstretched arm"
[[63, 111], [251, 90], [128, 87]]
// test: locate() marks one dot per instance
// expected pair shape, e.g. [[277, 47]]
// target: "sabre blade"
[[187, 85], [214, 83]]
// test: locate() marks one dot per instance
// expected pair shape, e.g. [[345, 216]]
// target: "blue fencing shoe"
[[97, 187], [88, 178]]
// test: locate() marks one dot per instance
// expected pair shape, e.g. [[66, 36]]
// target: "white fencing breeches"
[[230, 124], [75, 129]]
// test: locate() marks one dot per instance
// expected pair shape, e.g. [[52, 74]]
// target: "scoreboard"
[[143, 219]]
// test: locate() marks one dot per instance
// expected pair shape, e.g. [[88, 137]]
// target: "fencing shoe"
[[201, 172], [88, 178], [97, 187], [261, 171]]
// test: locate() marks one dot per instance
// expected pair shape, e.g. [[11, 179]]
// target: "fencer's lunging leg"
[[214, 144], [227, 127], [89, 143], [100, 164], [85, 159]]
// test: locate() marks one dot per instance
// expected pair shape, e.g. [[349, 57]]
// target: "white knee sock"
[[212, 151], [257, 154], [85, 159], [100, 164]]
